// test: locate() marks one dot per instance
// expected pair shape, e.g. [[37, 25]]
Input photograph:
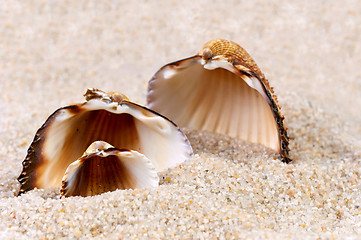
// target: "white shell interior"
[[213, 98], [107, 170], [125, 126]]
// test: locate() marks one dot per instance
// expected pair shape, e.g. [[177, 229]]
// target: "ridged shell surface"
[[104, 168], [230, 51], [221, 89], [70, 130]]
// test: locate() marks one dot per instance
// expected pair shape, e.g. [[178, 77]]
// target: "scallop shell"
[[104, 168], [221, 89], [70, 130]]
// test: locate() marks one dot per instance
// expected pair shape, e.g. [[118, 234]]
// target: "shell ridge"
[[284, 151], [215, 54], [26, 179], [97, 173], [66, 125]]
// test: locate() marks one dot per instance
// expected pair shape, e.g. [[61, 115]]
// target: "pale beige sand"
[[51, 51]]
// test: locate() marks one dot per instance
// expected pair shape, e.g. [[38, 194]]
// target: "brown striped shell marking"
[[104, 168], [220, 89], [108, 117]]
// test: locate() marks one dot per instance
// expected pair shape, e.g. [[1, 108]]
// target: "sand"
[[52, 51]]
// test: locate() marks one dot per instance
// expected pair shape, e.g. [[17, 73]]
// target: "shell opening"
[[68, 132], [107, 170], [217, 98]]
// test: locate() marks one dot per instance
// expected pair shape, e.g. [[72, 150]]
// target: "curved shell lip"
[[123, 172], [34, 158], [237, 71], [264, 89], [175, 64], [172, 65], [26, 178], [190, 149]]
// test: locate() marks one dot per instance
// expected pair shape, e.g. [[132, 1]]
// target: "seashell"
[[69, 131], [104, 168], [220, 89]]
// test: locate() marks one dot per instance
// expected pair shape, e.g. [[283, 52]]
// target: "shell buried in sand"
[[222, 90], [112, 118], [103, 168]]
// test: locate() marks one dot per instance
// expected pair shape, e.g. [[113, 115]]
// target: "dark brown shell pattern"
[[110, 117], [180, 89], [228, 50], [239, 57]]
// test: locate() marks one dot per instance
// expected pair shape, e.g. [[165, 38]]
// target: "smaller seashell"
[[220, 89], [109, 117], [104, 168]]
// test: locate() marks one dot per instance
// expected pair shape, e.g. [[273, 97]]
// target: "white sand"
[[51, 51]]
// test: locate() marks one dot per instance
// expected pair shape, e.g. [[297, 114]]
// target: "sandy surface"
[[51, 51]]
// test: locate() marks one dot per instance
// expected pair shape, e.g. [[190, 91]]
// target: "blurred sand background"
[[52, 51]]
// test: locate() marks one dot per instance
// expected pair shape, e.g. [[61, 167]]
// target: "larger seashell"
[[222, 90], [104, 168], [70, 130]]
